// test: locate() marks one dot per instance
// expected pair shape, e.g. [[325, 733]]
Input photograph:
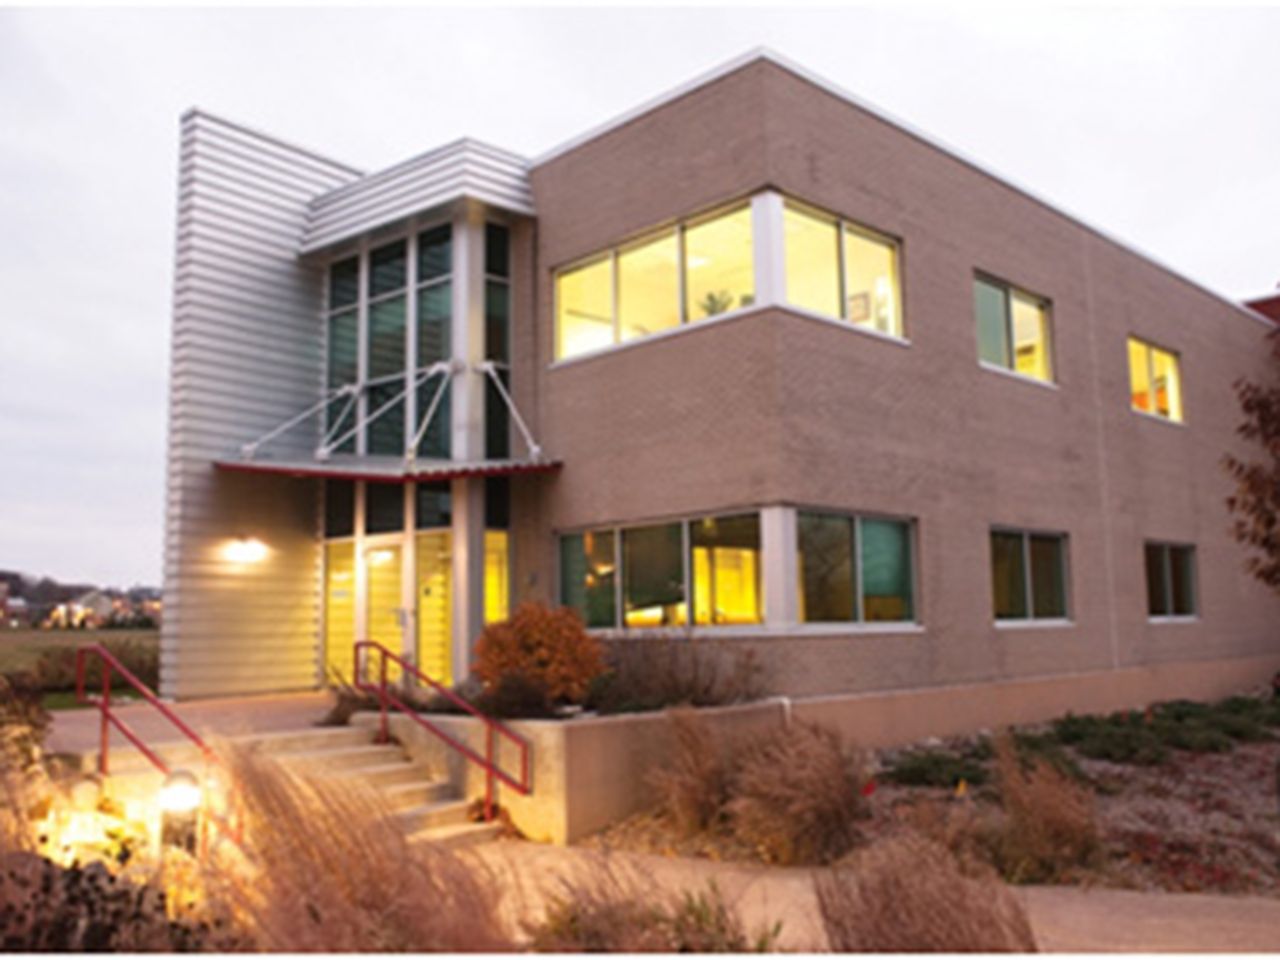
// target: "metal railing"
[[110, 665], [110, 718], [493, 728]]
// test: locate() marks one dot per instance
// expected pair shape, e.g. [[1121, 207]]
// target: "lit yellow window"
[[1155, 381], [719, 265], [339, 608], [726, 570], [1030, 337], [649, 287], [1166, 382], [497, 580], [584, 309], [871, 283], [813, 267], [1140, 376]]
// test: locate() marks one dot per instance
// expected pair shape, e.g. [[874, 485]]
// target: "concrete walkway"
[[77, 731], [1065, 919]]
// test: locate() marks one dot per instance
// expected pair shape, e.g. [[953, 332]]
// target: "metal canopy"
[[388, 469]]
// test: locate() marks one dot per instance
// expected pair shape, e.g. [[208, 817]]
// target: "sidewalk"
[[77, 731], [1065, 919]]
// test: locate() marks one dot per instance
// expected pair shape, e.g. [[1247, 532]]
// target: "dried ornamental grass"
[[797, 794], [1051, 826], [693, 786], [909, 895], [612, 911], [330, 869]]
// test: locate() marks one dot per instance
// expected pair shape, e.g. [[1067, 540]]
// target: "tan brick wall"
[[779, 408]]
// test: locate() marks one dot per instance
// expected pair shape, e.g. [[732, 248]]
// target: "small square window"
[[1014, 329], [1155, 381], [1029, 575], [1171, 580]]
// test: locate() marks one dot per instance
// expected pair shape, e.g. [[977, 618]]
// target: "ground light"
[[180, 800]]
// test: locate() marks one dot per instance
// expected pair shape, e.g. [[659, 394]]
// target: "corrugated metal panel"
[[463, 168], [247, 354]]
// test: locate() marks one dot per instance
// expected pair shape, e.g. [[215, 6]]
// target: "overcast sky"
[[1162, 127]]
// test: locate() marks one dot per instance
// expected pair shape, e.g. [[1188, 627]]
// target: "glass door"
[[385, 613], [434, 562]]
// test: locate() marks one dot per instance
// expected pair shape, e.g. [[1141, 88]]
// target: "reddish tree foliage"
[[549, 648], [1256, 501]]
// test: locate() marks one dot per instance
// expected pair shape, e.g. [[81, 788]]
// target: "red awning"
[[388, 469]]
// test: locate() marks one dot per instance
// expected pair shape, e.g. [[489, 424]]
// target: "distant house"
[[15, 613]]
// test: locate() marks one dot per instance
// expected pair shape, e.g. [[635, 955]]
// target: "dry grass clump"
[[1050, 827], [796, 795], [605, 912], [909, 895], [657, 672], [329, 869], [693, 787]]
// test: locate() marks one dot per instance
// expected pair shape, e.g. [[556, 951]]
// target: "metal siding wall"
[[485, 173], [248, 352]]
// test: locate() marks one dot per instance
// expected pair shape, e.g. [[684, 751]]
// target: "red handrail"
[[109, 718], [387, 697], [110, 663]]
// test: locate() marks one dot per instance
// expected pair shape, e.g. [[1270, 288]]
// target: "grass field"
[[20, 649]]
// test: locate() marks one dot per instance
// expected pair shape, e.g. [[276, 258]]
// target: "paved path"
[[76, 731], [1065, 919]]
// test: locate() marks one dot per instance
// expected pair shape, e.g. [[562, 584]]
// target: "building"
[[753, 361], [1268, 306]]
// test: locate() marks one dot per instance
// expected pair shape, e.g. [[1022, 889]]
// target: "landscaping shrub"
[[549, 648], [23, 722], [796, 795], [514, 696], [55, 670], [1122, 737], [909, 895], [935, 768], [335, 872], [1050, 827], [654, 673], [693, 787], [605, 913], [1046, 747]]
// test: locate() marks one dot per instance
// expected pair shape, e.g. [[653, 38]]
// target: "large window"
[[842, 270], [645, 576], [375, 302], [1155, 380], [854, 568], [1029, 575], [1014, 330], [635, 291], [497, 338], [1171, 580]]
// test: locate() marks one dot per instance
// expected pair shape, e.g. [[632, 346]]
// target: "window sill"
[[1167, 421], [759, 631], [750, 311], [1158, 621], [1015, 375], [1031, 623]]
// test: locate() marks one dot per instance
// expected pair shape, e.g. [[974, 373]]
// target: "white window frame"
[[860, 615], [1153, 413], [1012, 290]]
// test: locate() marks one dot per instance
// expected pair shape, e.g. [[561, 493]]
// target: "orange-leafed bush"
[[547, 648]]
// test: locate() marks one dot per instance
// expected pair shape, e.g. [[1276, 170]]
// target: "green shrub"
[[1047, 748], [55, 670], [1122, 737], [935, 768]]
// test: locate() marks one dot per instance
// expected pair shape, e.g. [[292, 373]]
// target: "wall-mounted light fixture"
[[245, 550]]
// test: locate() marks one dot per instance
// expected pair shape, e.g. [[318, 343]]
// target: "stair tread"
[[373, 749], [414, 785], [456, 831], [376, 769], [434, 806]]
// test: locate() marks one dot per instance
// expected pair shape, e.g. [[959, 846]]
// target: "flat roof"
[[769, 55]]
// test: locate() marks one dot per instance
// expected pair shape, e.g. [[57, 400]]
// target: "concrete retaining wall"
[[591, 771]]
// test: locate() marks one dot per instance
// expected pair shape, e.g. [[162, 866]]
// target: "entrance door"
[[384, 616], [434, 562]]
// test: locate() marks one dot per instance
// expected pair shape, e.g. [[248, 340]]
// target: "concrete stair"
[[429, 807]]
